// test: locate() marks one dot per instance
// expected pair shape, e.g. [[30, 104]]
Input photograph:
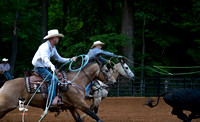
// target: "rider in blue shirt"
[[96, 52]]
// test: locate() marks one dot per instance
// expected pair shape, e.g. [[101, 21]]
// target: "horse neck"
[[86, 75], [115, 73]]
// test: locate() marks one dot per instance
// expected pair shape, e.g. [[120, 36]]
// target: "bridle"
[[101, 71], [124, 68]]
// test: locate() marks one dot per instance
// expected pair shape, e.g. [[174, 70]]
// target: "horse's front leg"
[[96, 104], [85, 108], [75, 114], [91, 108]]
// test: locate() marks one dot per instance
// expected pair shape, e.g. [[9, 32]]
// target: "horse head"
[[105, 75], [123, 69]]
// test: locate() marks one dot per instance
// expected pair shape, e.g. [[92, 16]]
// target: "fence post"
[[158, 84], [166, 85]]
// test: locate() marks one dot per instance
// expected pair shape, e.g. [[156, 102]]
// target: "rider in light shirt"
[[41, 62]]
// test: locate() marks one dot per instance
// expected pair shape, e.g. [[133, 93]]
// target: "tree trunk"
[[14, 44], [142, 83], [127, 28], [64, 16], [44, 18]]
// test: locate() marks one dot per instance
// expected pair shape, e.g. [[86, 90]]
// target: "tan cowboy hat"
[[53, 33], [97, 43], [5, 59]]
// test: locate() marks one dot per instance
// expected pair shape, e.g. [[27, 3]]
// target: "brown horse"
[[73, 98]]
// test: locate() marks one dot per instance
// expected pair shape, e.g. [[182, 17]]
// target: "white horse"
[[100, 90]]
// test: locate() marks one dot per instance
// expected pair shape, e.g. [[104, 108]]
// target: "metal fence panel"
[[151, 87]]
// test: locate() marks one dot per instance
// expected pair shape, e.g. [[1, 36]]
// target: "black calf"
[[182, 99]]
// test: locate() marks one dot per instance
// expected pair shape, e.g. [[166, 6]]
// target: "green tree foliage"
[[28, 31], [171, 31]]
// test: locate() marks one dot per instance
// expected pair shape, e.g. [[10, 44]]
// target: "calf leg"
[[180, 114], [193, 115]]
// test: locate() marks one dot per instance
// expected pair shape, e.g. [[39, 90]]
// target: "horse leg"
[[91, 108], [84, 108], [75, 114], [2, 114], [180, 114], [96, 104], [7, 104]]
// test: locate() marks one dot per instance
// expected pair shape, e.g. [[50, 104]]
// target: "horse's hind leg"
[[75, 114], [2, 114], [6, 106]]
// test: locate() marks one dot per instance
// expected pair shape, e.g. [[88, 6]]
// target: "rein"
[[83, 89], [100, 87]]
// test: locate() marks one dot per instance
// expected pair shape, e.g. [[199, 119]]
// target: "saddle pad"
[[32, 86]]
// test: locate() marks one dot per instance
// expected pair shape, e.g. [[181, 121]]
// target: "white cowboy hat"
[[97, 43], [4, 59], [53, 33]]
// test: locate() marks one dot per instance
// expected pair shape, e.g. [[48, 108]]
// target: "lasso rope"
[[85, 60], [160, 69], [167, 67]]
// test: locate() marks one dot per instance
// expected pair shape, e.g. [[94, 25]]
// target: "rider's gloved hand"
[[74, 58], [52, 67]]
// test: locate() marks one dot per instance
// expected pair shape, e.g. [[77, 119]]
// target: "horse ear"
[[122, 61]]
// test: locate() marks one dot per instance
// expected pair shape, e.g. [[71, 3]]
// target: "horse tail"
[[150, 101]]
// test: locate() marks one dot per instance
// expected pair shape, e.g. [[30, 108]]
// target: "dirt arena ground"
[[112, 109]]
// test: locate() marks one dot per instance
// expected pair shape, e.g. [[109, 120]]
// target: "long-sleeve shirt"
[[96, 52], [4, 67], [44, 53]]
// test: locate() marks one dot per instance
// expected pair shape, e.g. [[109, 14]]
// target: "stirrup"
[[60, 103]]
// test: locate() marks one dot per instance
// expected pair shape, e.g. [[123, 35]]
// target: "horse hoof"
[[99, 121]]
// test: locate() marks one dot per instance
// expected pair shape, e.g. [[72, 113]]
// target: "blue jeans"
[[87, 89], [44, 72], [8, 76]]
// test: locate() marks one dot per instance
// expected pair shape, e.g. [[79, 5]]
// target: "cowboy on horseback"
[[41, 62], [95, 53]]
